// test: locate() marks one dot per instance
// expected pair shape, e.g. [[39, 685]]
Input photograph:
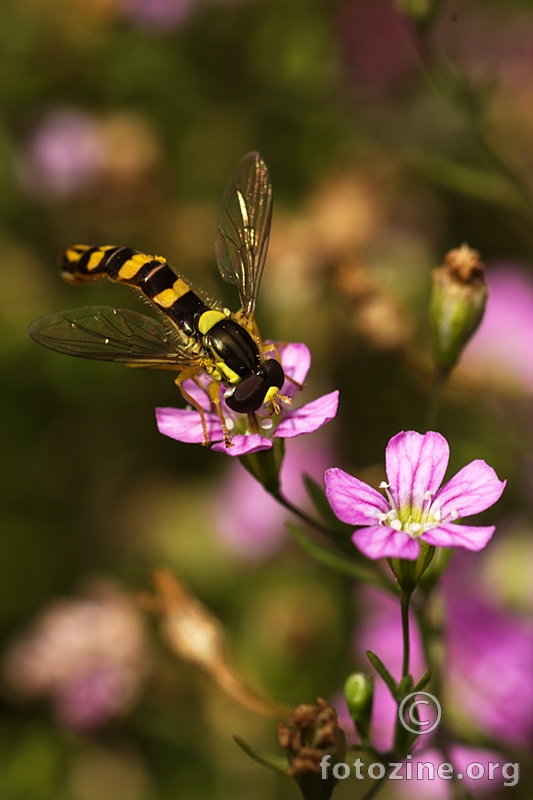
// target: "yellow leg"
[[268, 348], [190, 372], [214, 387]]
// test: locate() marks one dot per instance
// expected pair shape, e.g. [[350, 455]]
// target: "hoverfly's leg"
[[214, 387], [190, 372], [298, 385], [253, 423], [201, 386]]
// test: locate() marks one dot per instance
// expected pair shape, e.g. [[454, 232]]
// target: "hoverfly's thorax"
[[233, 349]]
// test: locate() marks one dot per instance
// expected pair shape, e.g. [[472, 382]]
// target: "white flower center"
[[412, 519]]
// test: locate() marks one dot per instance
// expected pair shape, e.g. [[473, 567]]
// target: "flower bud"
[[457, 304], [359, 694], [417, 10]]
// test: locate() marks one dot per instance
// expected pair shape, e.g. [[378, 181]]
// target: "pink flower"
[[415, 508], [490, 660], [500, 354], [422, 781], [378, 42], [88, 655], [488, 666], [185, 425], [158, 14], [381, 632], [64, 154]]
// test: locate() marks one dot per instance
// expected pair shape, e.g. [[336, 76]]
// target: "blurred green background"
[[392, 137]]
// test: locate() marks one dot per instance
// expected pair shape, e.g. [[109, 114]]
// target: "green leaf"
[[277, 763], [471, 180], [320, 502], [382, 670], [340, 563]]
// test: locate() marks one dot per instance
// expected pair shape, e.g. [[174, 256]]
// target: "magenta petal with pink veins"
[[474, 488], [185, 425], [470, 537], [242, 444], [381, 541], [308, 418], [416, 464], [353, 501]]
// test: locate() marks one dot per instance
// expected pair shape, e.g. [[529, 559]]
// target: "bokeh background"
[[394, 132]]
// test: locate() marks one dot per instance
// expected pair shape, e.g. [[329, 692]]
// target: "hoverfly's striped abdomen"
[[151, 275]]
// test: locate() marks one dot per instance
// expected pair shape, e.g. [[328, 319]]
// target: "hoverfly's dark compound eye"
[[250, 392], [273, 372], [249, 395]]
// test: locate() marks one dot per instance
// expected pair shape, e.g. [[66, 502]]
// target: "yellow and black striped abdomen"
[[151, 275]]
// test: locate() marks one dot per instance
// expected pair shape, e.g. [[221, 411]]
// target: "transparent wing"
[[244, 228], [112, 334]]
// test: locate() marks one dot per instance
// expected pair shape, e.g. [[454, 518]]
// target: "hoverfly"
[[190, 335]]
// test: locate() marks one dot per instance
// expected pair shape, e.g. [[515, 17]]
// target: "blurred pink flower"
[[501, 352], [378, 43], [488, 661], [185, 425], [415, 507], [247, 517], [490, 658], [63, 155], [88, 655], [472, 763], [162, 14], [381, 632]]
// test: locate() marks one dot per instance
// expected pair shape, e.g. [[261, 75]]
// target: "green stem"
[[404, 603], [377, 786], [439, 382], [299, 513]]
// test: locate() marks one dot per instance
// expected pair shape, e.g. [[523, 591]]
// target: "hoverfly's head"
[[262, 387]]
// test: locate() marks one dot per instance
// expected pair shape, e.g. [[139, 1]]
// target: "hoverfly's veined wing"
[[244, 228], [111, 334]]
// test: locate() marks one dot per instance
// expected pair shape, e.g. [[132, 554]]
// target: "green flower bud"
[[408, 572], [417, 10], [359, 694], [457, 304]]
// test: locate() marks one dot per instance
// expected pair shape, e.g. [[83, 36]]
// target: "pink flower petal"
[[353, 501], [308, 418], [199, 394], [295, 360], [384, 542], [416, 464], [185, 425], [470, 537], [241, 445], [474, 488]]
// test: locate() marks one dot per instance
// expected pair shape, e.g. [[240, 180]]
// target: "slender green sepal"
[[265, 465], [277, 763], [382, 670]]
